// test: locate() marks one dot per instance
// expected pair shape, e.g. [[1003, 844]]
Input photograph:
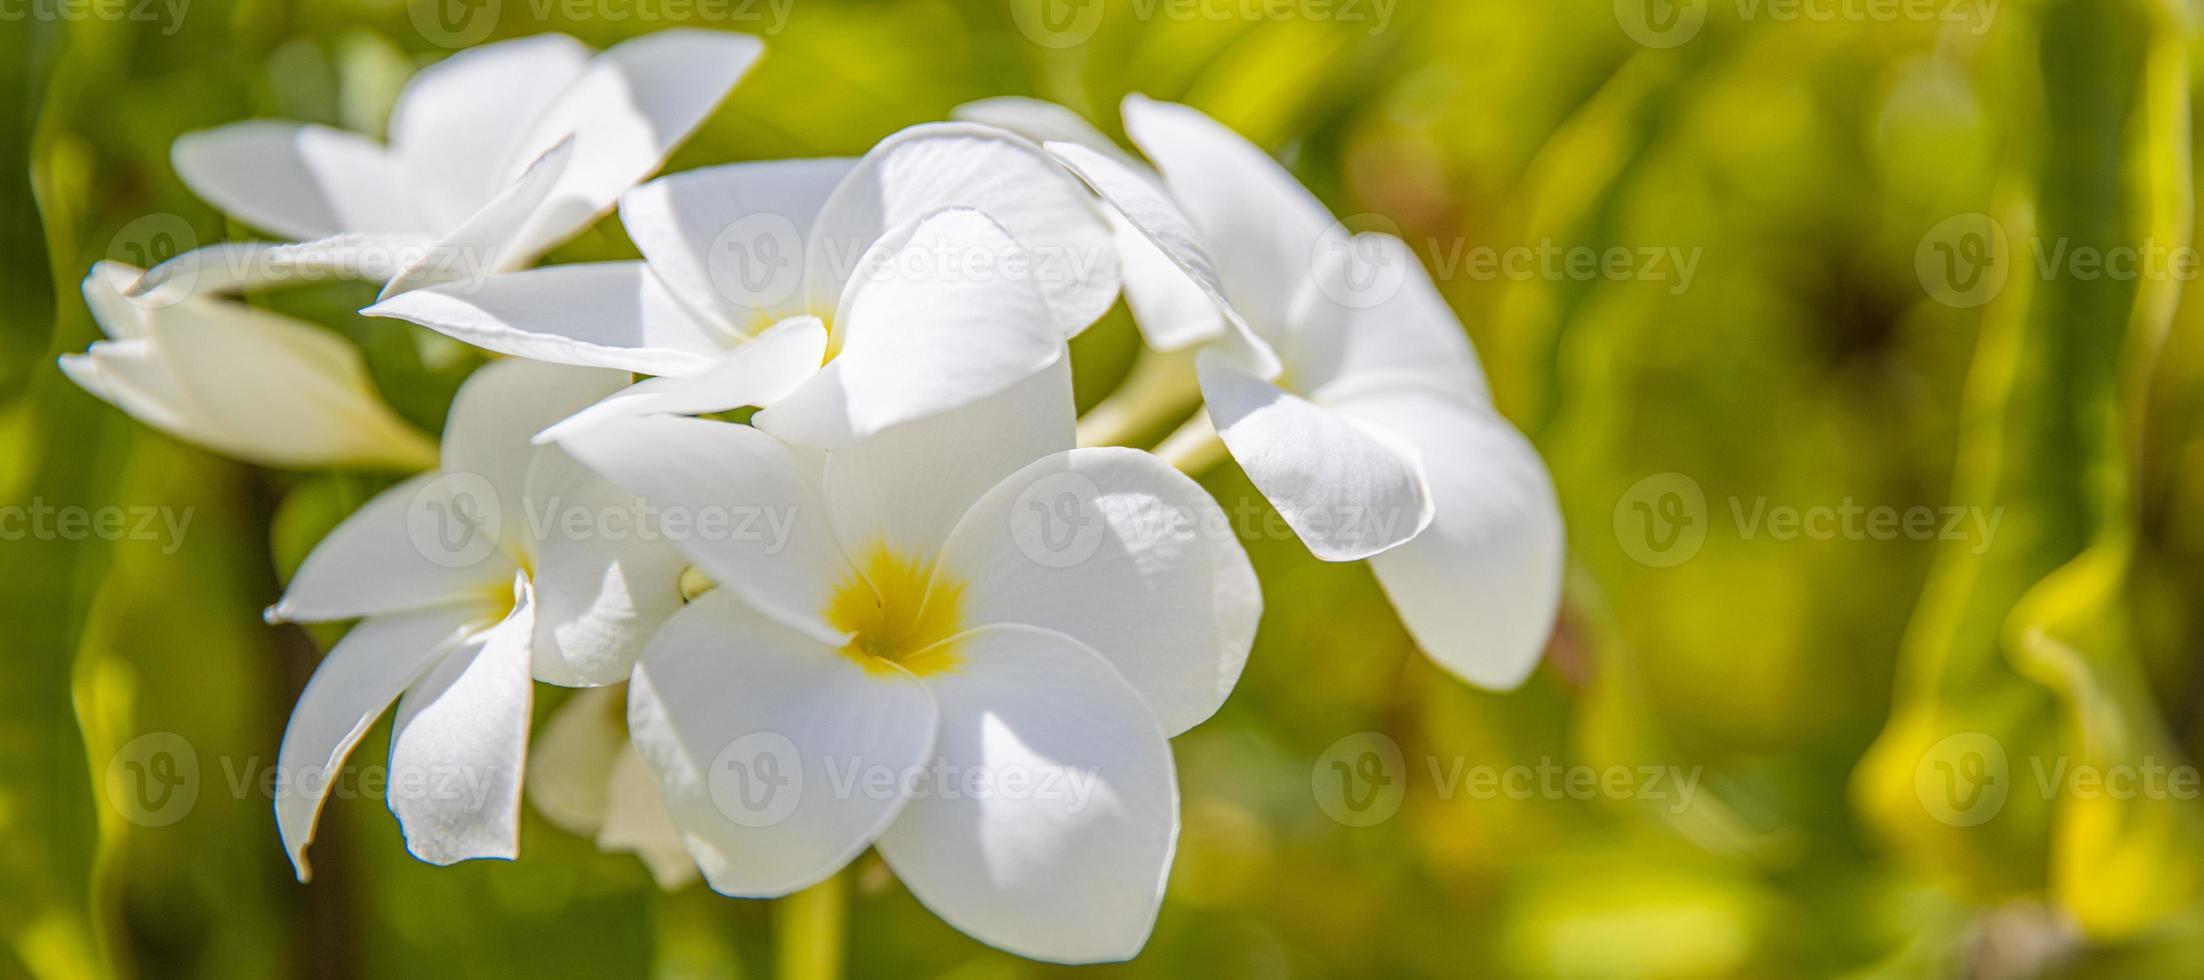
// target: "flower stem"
[[809, 930], [1194, 448], [1160, 388]]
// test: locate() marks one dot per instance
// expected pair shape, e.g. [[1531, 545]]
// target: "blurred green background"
[[1879, 730]]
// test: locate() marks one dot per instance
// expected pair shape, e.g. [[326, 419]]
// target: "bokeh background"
[[1869, 721]]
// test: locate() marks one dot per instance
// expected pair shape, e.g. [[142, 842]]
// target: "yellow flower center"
[[694, 584], [898, 611]]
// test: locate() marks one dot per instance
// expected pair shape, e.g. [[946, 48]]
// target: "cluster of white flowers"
[[940, 615]]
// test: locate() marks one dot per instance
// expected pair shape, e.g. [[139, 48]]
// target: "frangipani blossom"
[[1346, 389], [249, 384], [912, 267], [584, 777], [468, 586], [969, 654], [1170, 309], [496, 154]]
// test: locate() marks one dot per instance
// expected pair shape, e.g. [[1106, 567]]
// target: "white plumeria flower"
[[1170, 309], [496, 155], [468, 582], [963, 600], [246, 383], [584, 777], [894, 265], [1347, 390]]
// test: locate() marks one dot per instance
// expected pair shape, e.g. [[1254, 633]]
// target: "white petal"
[[636, 821], [1348, 490], [132, 376], [488, 242], [487, 434], [907, 486], [294, 179], [460, 741], [458, 123], [1479, 589], [232, 267], [923, 334], [760, 372], [242, 381], [107, 290], [1262, 227], [584, 777], [1372, 309], [761, 737], [1054, 832], [926, 168], [1119, 551], [359, 678], [277, 390], [1037, 120], [603, 582], [598, 314], [729, 240], [628, 110], [570, 765], [379, 561], [1172, 310], [755, 520], [1168, 263]]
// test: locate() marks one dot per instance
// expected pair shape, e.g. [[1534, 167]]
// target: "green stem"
[[1159, 389], [810, 929], [1194, 448]]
